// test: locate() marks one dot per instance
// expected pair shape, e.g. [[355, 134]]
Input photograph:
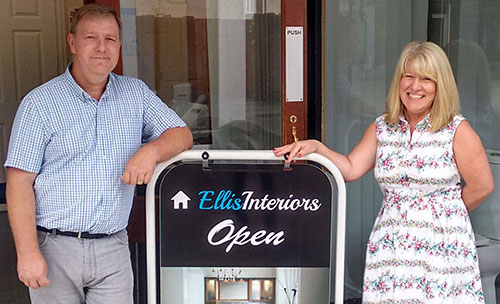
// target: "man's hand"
[[31, 266], [140, 167], [32, 270]]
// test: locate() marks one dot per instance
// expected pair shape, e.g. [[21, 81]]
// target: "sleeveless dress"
[[421, 248]]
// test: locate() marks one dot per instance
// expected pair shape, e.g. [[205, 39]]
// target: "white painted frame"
[[196, 155]]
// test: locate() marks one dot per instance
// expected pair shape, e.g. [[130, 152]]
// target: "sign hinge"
[[204, 160], [286, 166]]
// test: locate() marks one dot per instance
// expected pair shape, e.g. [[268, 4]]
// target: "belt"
[[80, 235]]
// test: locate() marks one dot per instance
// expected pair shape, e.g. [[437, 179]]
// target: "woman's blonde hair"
[[428, 60]]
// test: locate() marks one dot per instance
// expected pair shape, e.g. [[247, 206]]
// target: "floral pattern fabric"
[[421, 248]]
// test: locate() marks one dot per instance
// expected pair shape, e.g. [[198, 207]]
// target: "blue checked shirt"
[[79, 148]]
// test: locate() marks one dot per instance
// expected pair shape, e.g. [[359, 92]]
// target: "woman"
[[421, 248]]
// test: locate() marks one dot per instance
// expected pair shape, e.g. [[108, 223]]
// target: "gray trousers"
[[92, 271]]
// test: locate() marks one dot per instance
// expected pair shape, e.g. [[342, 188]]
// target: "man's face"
[[95, 46]]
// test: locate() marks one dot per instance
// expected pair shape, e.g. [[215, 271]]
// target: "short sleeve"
[[27, 140], [158, 117]]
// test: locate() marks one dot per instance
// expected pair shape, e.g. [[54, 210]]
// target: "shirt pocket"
[[125, 134]]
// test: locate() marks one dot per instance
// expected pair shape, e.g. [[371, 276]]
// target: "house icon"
[[180, 200]]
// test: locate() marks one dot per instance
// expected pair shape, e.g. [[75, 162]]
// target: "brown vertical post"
[[294, 14]]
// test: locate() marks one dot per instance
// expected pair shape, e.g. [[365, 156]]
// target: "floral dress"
[[421, 248]]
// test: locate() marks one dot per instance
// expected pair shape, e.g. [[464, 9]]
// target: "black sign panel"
[[245, 215]]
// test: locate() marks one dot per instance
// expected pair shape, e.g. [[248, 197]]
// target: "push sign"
[[244, 215]]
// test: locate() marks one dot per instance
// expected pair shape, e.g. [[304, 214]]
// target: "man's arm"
[[140, 167], [31, 265]]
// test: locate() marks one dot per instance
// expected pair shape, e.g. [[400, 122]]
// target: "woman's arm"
[[473, 166], [353, 166]]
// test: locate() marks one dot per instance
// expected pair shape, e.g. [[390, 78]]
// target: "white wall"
[[314, 286], [182, 285]]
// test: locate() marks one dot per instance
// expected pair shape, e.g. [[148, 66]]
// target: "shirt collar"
[[422, 125], [81, 93]]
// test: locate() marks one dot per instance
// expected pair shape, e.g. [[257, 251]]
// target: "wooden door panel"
[[29, 56]]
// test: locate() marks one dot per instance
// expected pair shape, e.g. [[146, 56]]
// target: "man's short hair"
[[94, 11]]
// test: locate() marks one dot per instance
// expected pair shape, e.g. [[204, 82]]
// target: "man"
[[74, 159]]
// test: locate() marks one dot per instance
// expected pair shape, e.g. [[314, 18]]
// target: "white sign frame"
[[196, 155]]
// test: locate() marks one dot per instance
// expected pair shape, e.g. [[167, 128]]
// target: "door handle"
[[294, 134]]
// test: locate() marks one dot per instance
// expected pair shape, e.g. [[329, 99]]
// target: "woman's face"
[[417, 93]]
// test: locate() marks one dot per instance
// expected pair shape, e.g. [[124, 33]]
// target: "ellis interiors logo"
[[225, 233]]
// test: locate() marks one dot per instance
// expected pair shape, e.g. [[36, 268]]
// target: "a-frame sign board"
[[233, 208]]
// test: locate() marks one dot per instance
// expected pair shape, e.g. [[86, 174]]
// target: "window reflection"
[[359, 71], [468, 32], [216, 63], [241, 291], [255, 290], [210, 290]]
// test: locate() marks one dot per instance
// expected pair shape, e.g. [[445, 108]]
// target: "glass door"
[[235, 71], [358, 74], [216, 63]]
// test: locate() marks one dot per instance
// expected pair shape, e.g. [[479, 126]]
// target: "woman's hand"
[[352, 167], [299, 149]]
